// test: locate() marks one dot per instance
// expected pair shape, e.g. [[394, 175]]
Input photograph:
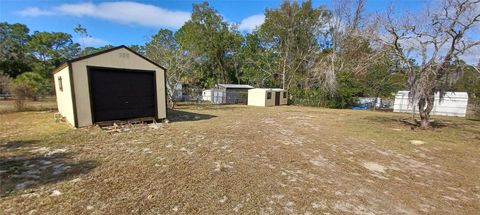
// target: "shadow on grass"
[[29, 167], [384, 119], [179, 116], [16, 144], [407, 121]]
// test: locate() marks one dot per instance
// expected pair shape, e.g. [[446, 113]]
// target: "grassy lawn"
[[48, 103], [239, 159]]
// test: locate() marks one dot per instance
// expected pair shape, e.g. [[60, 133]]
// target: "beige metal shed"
[[115, 84], [266, 97]]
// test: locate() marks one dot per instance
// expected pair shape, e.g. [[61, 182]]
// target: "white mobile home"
[[267, 97], [453, 104]]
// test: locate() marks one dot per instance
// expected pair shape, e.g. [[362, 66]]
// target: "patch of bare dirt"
[[236, 159]]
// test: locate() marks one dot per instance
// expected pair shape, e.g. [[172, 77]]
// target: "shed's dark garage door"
[[121, 94]]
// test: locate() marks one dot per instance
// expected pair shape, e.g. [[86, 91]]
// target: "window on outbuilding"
[[60, 84], [269, 95], [284, 95]]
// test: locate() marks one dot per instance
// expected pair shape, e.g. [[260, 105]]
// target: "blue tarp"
[[360, 107]]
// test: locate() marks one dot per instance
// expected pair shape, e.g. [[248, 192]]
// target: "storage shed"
[[115, 84], [265, 97], [453, 104], [229, 94], [207, 95]]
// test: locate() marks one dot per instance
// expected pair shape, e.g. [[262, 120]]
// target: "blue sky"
[[134, 22]]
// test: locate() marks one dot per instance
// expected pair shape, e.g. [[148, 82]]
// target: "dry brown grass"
[[246, 160], [43, 104]]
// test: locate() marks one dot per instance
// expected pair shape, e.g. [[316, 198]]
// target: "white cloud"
[[80, 9], [34, 11], [251, 22], [91, 41], [124, 12]]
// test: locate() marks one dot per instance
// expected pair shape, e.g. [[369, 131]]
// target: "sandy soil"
[[245, 160]]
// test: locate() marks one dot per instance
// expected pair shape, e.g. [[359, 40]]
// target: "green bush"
[[5, 81], [349, 89], [30, 85], [308, 97]]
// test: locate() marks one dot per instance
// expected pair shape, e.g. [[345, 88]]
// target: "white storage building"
[[227, 94], [207, 95], [453, 104], [266, 97]]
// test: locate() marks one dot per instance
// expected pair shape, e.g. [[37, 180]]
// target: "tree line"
[[323, 56]]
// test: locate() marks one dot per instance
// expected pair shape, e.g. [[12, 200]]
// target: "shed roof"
[[103, 52], [235, 86]]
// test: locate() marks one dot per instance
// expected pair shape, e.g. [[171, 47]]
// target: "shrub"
[[349, 88], [30, 85], [476, 106], [308, 97], [4, 83], [20, 105]]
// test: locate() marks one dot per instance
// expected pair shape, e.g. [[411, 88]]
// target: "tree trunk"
[[171, 94], [424, 117], [222, 70], [284, 70], [171, 102], [425, 106]]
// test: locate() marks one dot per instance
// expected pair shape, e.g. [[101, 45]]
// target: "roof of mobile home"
[[235, 86]]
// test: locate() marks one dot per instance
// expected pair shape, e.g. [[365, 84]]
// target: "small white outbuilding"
[[267, 97], [207, 95], [453, 104]]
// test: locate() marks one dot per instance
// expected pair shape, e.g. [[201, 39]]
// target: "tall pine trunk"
[[221, 65], [284, 72]]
